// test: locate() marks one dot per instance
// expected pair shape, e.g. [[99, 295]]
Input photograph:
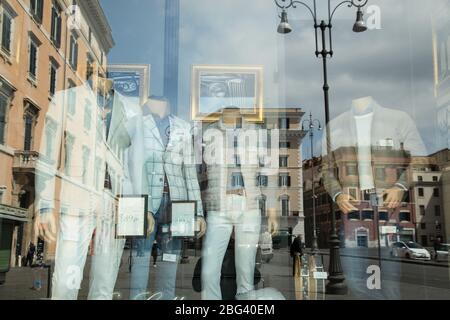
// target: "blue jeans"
[[166, 273]]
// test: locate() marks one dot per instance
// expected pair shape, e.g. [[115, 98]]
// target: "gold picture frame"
[[131, 79], [215, 87]]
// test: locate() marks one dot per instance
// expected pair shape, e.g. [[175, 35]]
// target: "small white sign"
[[169, 257], [131, 216], [388, 229], [320, 275], [183, 219]]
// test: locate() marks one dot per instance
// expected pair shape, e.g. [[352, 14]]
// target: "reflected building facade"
[[48, 47]]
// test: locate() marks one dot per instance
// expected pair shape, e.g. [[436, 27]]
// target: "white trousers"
[[220, 225], [74, 238]]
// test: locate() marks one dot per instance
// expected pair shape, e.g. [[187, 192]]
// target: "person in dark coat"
[[296, 249], [155, 253], [30, 254]]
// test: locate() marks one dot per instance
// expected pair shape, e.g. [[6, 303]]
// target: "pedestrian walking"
[[296, 250], [30, 254], [155, 252]]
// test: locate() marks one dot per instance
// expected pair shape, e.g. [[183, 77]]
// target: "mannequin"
[[167, 177]]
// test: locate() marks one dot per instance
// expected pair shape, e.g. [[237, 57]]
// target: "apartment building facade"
[[47, 47]]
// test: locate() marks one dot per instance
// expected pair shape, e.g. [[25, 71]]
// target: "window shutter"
[[279, 181], [58, 32], [40, 9], [75, 62], [32, 59], [6, 33], [53, 27], [289, 181]]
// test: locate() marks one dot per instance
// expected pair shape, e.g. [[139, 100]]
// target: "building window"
[[72, 98], [420, 178], [237, 180], [89, 70], [423, 226], [55, 34], [285, 144], [353, 192], [53, 73], [50, 133], [420, 191], [37, 9], [68, 148], [283, 123], [366, 195], [283, 162], [437, 211], [33, 57], [351, 170], [87, 116], [6, 17], [380, 173], [237, 160], [73, 52], [436, 192], [262, 180], [4, 105], [284, 180], [400, 172], [284, 206], [435, 179], [85, 160], [405, 216], [355, 215], [383, 216], [367, 215], [422, 210], [30, 117], [262, 205]]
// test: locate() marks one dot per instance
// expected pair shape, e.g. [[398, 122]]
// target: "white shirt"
[[363, 135]]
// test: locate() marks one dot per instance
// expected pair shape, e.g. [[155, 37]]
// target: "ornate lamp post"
[[310, 123], [336, 279]]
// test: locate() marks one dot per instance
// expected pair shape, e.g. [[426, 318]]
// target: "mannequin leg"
[[215, 245], [247, 236]]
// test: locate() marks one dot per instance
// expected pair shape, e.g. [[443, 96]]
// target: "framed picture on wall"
[[215, 87], [131, 80]]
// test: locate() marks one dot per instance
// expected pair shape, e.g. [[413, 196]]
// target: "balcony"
[[13, 213], [25, 161]]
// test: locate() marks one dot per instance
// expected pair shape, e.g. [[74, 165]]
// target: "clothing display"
[[168, 175], [230, 200]]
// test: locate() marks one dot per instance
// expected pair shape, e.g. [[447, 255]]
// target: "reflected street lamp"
[[310, 123], [336, 279]]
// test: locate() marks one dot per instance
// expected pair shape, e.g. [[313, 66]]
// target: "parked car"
[[410, 250], [281, 239], [441, 252]]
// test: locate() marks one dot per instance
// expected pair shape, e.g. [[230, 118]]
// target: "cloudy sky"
[[393, 64]]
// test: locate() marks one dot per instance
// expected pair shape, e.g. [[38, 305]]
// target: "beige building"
[[46, 47], [282, 188]]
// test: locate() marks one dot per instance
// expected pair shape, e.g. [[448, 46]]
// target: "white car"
[[410, 250], [441, 252]]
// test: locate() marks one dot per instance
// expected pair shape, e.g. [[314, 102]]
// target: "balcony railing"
[[25, 160]]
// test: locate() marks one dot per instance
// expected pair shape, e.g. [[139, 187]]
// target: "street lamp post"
[[336, 279], [310, 123]]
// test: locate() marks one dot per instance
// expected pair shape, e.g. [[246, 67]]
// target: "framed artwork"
[[131, 80], [215, 87]]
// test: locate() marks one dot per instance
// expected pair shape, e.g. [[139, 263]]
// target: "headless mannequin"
[[160, 108], [360, 105]]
